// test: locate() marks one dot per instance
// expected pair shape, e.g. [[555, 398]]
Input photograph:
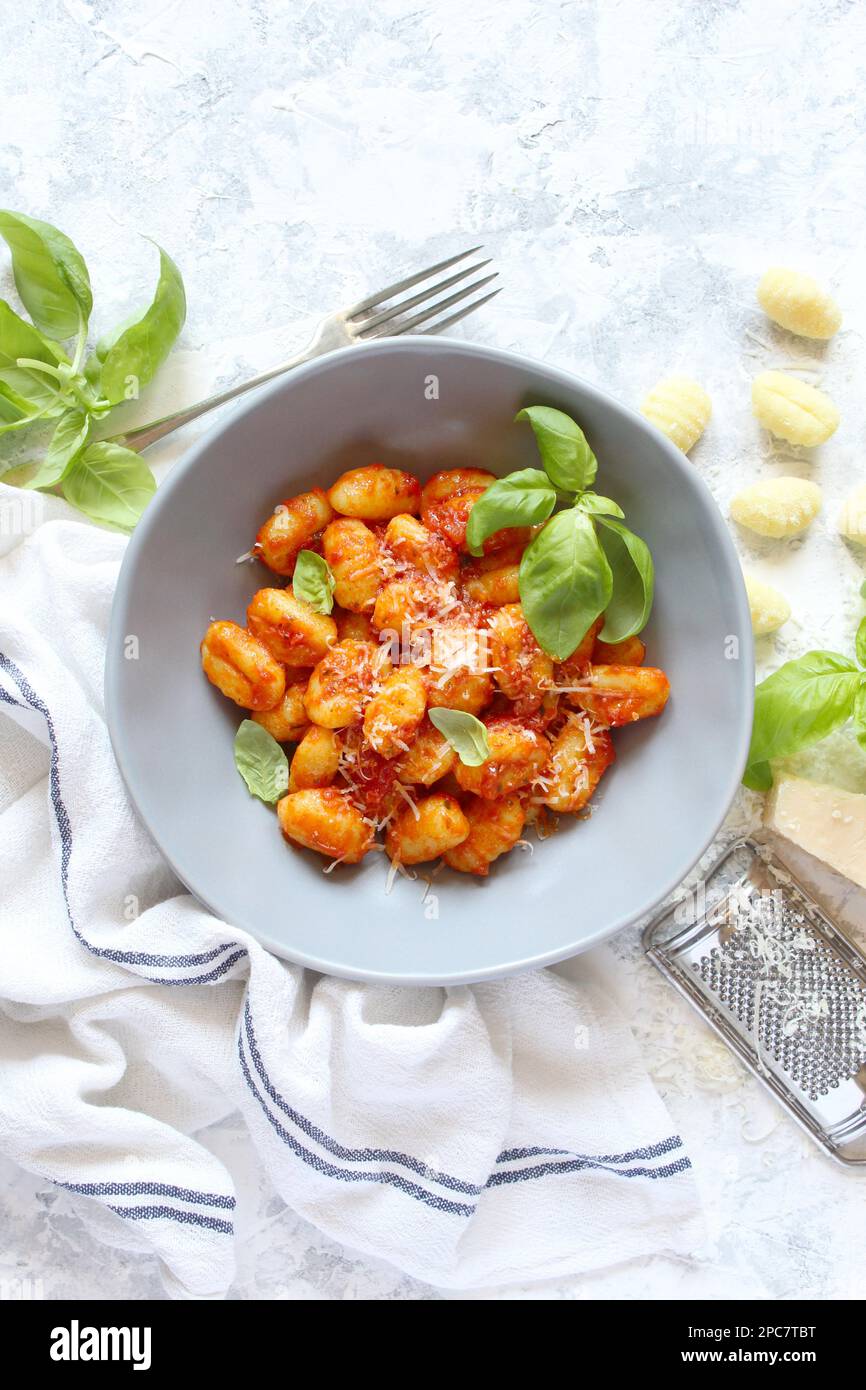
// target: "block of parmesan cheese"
[[824, 821]]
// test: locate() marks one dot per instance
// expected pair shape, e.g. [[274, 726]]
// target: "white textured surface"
[[633, 168]]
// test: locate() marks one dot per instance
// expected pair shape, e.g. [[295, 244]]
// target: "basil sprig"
[[584, 561], [41, 381], [466, 734], [313, 581], [803, 702], [261, 762]]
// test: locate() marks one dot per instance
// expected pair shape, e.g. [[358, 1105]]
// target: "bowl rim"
[[419, 343]]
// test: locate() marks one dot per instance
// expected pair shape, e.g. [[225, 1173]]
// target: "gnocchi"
[[778, 507], [523, 670], [680, 408], [292, 631], [426, 830], [852, 522], [631, 651], [324, 819], [616, 695], [494, 829], [517, 755], [394, 713], [466, 690], [791, 409], [496, 585], [293, 525], [239, 665], [287, 722], [579, 756], [411, 542], [767, 607], [339, 685], [355, 557], [316, 759], [572, 671], [404, 601], [797, 302], [448, 498], [418, 625], [375, 493], [355, 625], [429, 758]]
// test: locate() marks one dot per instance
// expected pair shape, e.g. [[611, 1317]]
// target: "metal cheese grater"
[[784, 987]]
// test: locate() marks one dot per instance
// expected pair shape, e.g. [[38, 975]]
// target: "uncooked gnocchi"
[[680, 408], [793, 410], [797, 302], [852, 522], [778, 507], [768, 608]]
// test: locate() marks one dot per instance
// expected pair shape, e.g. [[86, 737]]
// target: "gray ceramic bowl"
[[172, 732]]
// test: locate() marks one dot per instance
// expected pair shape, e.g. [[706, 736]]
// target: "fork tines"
[[374, 317]]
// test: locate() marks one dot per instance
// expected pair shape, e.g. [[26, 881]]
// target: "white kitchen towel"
[[471, 1136]]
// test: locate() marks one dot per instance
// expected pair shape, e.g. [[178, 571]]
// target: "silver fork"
[[363, 322]]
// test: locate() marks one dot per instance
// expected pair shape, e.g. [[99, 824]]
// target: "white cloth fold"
[[472, 1136]]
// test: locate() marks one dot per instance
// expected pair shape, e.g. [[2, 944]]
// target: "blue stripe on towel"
[[149, 1189], [186, 1218]]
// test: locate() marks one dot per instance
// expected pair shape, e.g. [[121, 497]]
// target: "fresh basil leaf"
[[860, 714], [17, 411], [523, 498], [466, 734], [50, 275], [633, 581], [10, 413], [313, 582], [759, 777], [568, 460], [140, 349], [26, 391], [596, 505], [93, 366], [110, 484], [69, 438], [801, 703], [860, 643], [18, 338], [565, 582], [261, 762], [33, 393], [863, 589]]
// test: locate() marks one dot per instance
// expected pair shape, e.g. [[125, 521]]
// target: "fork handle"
[[141, 437]]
